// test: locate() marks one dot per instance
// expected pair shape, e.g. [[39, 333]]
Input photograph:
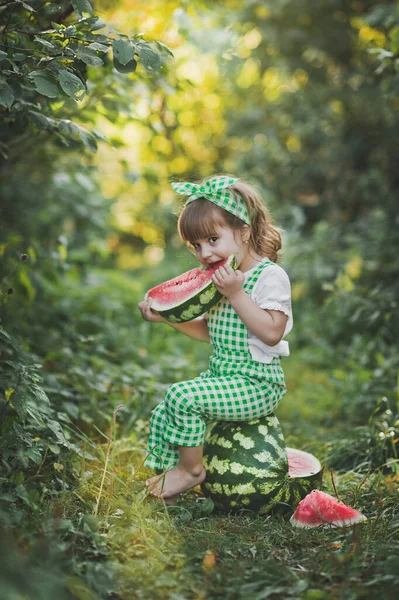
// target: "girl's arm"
[[267, 325], [197, 329]]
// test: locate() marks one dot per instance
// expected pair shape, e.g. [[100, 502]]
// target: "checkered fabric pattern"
[[234, 388], [216, 190]]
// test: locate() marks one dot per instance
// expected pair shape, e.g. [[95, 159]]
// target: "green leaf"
[[57, 26], [22, 493], [123, 51], [4, 334], [45, 60], [90, 22], [99, 135], [73, 130], [19, 406], [41, 121], [44, 83], [55, 427], [98, 26], [32, 411], [44, 42], [82, 6], [381, 53], [54, 448], [69, 128], [35, 455], [99, 47], [88, 139], [130, 67], [70, 31], [89, 57], [6, 95], [71, 84], [166, 48], [149, 58], [3, 55], [28, 7]]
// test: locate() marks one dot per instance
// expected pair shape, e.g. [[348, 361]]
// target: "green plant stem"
[[110, 436]]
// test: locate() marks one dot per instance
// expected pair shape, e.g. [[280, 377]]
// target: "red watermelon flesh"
[[184, 286], [302, 464], [319, 508]]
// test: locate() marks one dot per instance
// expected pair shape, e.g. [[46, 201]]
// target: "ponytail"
[[265, 238]]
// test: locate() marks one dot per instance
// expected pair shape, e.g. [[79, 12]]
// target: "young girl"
[[223, 216]]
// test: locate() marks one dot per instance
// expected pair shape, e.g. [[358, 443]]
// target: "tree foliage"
[[46, 50], [60, 67], [53, 224]]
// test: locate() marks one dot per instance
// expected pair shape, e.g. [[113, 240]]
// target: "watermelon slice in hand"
[[188, 296], [319, 508]]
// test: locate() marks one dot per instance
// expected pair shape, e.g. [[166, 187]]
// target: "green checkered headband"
[[215, 190]]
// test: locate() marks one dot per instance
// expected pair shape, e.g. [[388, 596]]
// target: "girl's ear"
[[245, 234]]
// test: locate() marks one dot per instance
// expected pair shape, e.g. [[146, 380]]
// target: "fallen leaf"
[[209, 560]]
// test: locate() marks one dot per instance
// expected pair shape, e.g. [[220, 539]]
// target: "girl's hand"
[[147, 313], [228, 281]]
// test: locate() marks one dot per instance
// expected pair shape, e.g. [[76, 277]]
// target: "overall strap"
[[254, 276], [229, 335]]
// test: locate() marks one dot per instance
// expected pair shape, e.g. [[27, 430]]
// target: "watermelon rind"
[[247, 467], [302, 483], [196, 305], [340, 523]]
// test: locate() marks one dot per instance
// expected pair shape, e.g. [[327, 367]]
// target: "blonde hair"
[[201, 218]]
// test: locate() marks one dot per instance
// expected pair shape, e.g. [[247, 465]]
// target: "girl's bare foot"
[[153, 481], [170, 484]]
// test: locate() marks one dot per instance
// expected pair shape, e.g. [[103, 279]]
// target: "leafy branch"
[[41, 65]]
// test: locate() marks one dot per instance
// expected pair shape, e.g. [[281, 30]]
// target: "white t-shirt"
[[272, 291]]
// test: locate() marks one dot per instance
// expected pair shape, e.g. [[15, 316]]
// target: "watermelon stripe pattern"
[[251, 472], [194, 307], [247, 467]]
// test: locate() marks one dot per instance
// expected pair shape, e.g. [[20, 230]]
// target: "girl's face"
[[221, 245]]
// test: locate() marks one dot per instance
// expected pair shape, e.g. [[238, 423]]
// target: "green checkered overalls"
[[234, 388]]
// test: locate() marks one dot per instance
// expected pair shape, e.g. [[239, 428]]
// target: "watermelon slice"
[[188, 296], [319, 508]]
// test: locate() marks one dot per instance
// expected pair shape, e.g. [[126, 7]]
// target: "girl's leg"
[[187, 474], [188, 405], [160, 453]]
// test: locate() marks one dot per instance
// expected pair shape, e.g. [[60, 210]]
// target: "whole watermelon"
[[247, 467]]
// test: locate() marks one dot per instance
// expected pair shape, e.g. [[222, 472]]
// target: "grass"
[[191, 552], [310, 409]]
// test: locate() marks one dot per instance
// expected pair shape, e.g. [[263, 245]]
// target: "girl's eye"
[[213, 239]]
